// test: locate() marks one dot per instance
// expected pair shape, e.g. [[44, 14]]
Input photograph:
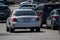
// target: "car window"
[[26, 6], [52, 13], [21, 13], [58, 12], [3, 8], [29, 6], [49, 8]]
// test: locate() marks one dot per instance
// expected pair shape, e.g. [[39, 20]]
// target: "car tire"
[[11, 30], [7, 29], [32, 30], [37, 29]]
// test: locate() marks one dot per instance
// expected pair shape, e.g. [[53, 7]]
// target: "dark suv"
[[4, 12], [45, 10]]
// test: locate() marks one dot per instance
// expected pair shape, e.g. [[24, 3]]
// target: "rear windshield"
[[49, 8], [3, 8], [26, 6], [58, 11], [29, 6], [21, 13]]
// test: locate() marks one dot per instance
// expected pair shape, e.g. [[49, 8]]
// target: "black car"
[[4, 12], [45, 10]]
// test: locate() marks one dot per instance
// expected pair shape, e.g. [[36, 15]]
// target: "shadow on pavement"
[[7, 34], [4, 34], [2, 22], [28, 32]]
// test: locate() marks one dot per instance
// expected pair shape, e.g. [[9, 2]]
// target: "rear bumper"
[[25, 25]]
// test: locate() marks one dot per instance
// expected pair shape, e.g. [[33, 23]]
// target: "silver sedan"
[[23, 19]]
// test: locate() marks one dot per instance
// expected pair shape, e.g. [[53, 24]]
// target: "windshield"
[[28, 6], [21, 13], [25, 7]]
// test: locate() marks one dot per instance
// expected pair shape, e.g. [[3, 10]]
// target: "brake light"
[[55, 17], [37, 19], [14, 19], [42, 13]]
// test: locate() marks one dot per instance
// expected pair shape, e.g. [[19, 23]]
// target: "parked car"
[[2, 4], [25, 3], [23, 19], [4, 12], [28, 6], [53, 19], [45, 10]]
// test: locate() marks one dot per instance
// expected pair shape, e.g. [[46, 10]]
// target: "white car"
[[28, 6], [23, 19], [25, 3]]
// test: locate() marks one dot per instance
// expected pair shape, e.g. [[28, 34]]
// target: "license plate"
[[26, 20]]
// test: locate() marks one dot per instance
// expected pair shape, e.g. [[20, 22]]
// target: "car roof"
[[24, 2], [23, 10], [3, 5], [48, 4], [55, 9], [29, 4]]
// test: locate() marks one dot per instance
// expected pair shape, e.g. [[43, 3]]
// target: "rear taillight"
[[14, 19], [37, 19], [42, 13], [55, 17]]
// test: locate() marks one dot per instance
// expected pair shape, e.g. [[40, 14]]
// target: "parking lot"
[[25, 34]]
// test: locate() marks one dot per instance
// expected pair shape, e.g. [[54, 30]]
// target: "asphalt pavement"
[[25, 34]]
